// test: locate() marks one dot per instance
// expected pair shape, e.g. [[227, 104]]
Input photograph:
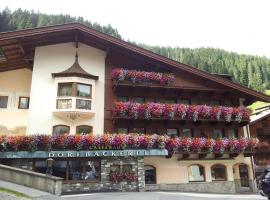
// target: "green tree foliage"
[[22, 19], [250, 71]]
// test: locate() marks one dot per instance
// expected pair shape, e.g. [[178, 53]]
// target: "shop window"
[[137, 130], [218, 133], [122, 130], [218, 172], [23, 102], [72, 170], [59, 169], [233, 133], [184, 101], [3, 101], [64, 89], [138, 99], [60, 129], [84, 90], [150, 174], [172, 132], [187, 132], [170, 101], [122, 99], [83, 170], [196, 173]]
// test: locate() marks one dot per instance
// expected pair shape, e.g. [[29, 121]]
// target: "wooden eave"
[[17, 45]]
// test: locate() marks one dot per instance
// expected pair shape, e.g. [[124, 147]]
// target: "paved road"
[[159, 196]]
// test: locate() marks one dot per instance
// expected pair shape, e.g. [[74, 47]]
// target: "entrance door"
[[244, 179], [150, 174]]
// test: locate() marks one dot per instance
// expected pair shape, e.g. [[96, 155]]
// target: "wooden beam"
[[76, 39], [20, 45]]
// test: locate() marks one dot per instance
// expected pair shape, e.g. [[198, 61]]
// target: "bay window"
[[74, 89]]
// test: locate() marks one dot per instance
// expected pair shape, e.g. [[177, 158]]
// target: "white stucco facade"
[[57, 58], [14, 84]]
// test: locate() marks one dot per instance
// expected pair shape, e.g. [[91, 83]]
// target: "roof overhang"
[[19, 46]]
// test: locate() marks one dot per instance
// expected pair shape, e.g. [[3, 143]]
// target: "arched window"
[[218, 172], [196, 173], [60, 129], [150, 174], [84, 129]]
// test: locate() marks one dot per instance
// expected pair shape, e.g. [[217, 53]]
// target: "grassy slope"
[[259, 104], [15, 193]]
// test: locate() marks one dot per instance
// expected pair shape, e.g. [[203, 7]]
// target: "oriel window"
[[23, 102]]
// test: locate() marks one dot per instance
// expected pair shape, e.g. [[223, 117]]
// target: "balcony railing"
[[160, 111], [73, 107]]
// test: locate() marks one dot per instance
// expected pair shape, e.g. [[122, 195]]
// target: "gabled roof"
[[19, 45], [75, 70]]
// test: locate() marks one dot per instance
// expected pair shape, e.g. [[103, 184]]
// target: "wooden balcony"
[[73, 108]]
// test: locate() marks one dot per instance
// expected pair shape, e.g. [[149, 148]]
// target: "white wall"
[[56, 58], [14, 84]]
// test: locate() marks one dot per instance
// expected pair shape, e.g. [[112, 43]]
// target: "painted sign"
[[84, 154]]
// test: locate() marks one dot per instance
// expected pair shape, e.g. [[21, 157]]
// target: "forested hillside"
[[251, 71]]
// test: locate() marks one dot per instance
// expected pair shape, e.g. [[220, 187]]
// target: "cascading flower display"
[[153, 110], [120, 74], [126, 141]]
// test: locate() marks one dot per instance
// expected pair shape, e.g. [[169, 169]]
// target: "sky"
[[235, 25]]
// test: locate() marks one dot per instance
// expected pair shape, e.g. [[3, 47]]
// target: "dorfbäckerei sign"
[[84, 154]]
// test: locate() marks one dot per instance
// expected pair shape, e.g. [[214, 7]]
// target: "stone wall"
[[227, 187], [104, 184], [31, 179]]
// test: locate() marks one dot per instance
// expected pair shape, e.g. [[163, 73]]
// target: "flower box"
[[151, 110], [120, 74]]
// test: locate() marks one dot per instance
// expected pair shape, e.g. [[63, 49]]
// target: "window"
[[215, 103], [73, 169], [23, 102], [228, 103], [172, 132], [83, 90], [74, 89], [170, 101], [137, 130], [218, 172], [122, 99], [233, 133], [126, 168], [64, 89], [187, 132], [138, 99], [60, 129], [122, 130], [184, 101], [84, 129], [203, 102], [218, 133], [3, 101], [196, 173], [150, 174]]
